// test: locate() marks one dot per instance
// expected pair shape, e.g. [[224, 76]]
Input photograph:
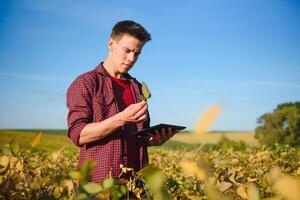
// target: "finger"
[[140, 112], [141, 119], [157, 132], [141, 104], [170, 132], [157, 135], [134, 108], [163, 133]]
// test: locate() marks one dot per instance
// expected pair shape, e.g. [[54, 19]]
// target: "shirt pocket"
[[105, 100], [104, 107]]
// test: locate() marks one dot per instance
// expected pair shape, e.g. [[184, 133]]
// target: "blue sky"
[[243, 55]]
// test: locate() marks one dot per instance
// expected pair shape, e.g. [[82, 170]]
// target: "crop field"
[[225, 165], [52, 139], [213, 137]]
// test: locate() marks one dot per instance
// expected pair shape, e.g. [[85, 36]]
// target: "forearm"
[[98, 130]]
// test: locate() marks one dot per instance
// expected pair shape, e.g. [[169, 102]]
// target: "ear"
[[111, 43]]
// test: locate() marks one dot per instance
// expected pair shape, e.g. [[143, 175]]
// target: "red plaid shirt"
[[90, 98]]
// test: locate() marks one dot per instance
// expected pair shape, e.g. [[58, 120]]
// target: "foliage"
[[30, 174], [225, 143], [227, 170], [280, 126], [211, 173]]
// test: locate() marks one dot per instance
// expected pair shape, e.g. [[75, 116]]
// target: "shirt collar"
[[100, 69]]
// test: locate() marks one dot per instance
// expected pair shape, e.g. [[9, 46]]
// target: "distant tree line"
[[280, 126]]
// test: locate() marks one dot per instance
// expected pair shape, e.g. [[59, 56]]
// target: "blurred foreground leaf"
[[92, 188], [288, 187], [206, 120], [202, 125], [191, 169], [36, 140], [4, 163], [85, 170], [154, 180]]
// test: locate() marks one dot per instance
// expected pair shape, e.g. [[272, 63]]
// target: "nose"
[[131, 57]]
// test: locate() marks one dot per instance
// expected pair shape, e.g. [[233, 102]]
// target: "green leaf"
[[145, 91], [85, 169], [14, 147], [108, 183], [82, 196], [153, 178], [92, 188]]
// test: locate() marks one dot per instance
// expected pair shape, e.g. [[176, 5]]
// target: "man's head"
[[130, 28], [125, 44]]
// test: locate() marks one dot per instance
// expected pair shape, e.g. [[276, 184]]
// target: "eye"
[[127, 50], [137, 54]]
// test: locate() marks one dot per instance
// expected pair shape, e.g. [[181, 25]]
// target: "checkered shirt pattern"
[[90, 98]]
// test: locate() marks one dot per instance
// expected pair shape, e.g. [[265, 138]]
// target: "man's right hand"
[[134, 113]]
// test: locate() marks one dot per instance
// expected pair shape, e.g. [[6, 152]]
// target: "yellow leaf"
[[251, 179], [69, 185], [232, 179], [202, 125], [274, 198], [206, 120], [211, 192], [19, 166], [191, 169], [253, 192], [298, 171], [36, 139], [224, 186], [126, 169], [75, 175], [241, 191], [272, 176], [4, 163], [138, 192], [56, 155], [13, 160]]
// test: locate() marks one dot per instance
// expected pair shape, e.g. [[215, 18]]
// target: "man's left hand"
[[158, 138]]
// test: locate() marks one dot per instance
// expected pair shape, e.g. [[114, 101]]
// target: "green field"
[[51, 140]]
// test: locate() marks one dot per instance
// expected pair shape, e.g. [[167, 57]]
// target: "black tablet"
[[147, 132]]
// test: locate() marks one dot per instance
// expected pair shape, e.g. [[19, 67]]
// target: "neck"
[[111, 69]]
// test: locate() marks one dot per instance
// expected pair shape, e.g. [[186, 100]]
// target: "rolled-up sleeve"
[[79, 103]]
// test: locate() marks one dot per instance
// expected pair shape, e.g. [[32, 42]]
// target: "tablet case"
[[147, 132]]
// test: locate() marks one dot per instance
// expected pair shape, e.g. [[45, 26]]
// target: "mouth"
[[127, 65]]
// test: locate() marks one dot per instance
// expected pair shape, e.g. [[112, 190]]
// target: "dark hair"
[[131, 28]]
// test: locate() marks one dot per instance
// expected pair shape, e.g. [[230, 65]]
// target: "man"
[[104, 108]]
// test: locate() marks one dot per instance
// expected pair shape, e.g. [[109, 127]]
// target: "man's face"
[[125, 52]]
